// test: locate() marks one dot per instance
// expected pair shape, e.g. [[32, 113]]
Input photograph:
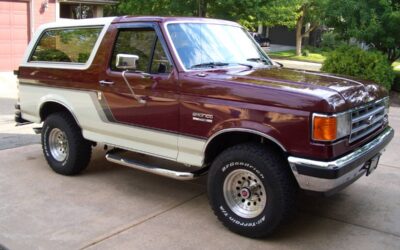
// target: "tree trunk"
[[393, 55], [202, 8], [299, 37]]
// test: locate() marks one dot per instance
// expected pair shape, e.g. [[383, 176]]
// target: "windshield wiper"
[[244, 64], [209, 65], [257, 59], [219, 64]]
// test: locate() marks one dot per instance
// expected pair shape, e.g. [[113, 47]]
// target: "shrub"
[[50, 55], [331, 41], [353, 61], [83, 57], [305, 52]]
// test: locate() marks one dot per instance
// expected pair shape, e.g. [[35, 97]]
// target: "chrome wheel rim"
[[244, 193], [58, 144]]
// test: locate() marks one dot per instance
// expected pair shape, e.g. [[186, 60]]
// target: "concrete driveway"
[[113, 207], [11, 136]]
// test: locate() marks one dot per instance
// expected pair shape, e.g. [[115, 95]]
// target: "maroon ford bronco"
[[199, 96]]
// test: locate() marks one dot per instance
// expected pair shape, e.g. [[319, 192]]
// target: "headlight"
[[330, 127]]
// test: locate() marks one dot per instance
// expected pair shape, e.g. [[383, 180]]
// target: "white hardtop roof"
[[77, 22], [65, 23]]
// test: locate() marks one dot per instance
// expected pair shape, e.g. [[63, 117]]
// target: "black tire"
[[268, 167], [78, 149]]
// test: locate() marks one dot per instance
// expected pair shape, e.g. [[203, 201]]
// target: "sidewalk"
[[299, 65], [293, 64], [280, 47]]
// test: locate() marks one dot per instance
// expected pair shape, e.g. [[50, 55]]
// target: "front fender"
[[265, 130]]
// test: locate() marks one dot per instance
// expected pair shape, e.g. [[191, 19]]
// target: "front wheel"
[[251, 189], [64, 148]]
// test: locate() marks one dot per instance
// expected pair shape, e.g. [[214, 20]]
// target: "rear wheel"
[[251, 189], [64, 148]]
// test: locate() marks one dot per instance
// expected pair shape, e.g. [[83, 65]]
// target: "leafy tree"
[[303, 15], [308, 19], [247, 12], [290, 13], [155, 7], [374, 22]]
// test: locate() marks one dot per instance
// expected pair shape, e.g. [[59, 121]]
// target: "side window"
[[160, 63], [67, 45], [135, 42], [141, 42]]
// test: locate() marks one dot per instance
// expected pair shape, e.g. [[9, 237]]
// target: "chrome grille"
[[366, 119]]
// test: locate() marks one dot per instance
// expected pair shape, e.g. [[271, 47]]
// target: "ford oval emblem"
[[370, 119]]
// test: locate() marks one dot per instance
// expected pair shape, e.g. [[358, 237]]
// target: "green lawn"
[[291, 55]]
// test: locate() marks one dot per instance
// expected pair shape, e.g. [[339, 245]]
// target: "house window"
[[77, 10]]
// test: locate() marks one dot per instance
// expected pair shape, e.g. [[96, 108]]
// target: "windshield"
[[206, 45]]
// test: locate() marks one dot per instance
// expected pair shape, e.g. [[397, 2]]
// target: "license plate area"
[[372, 164]]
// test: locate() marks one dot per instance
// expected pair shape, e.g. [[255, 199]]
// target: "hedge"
[[353, 61]]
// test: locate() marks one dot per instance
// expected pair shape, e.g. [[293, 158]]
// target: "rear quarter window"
[[66, 45]]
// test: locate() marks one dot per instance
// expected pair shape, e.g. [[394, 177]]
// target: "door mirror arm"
[[137, 98]]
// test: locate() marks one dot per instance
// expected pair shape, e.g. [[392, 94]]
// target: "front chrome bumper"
[[329, 177]]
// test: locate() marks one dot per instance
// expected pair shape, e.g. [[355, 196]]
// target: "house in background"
[[19, 19], [284, 36]]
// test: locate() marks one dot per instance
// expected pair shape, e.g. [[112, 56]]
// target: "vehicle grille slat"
[[361, 135], [366, 119], [365, 116], [377, 119]]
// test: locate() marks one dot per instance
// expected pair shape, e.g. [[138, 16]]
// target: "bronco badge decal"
[[201, 117]]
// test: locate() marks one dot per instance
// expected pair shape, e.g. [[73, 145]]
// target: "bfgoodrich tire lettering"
[[254, 163], [64, 148]]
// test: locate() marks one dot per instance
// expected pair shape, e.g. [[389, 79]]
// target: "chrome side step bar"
[[178, 175]]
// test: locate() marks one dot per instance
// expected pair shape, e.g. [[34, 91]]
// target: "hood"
[[353, 92]]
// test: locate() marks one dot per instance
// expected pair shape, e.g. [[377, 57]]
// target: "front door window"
[[145, 44]]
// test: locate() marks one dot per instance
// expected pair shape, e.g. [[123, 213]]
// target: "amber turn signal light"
[[324, 128]]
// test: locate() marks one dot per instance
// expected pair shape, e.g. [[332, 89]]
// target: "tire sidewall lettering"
[[236, 221], [244, 165]]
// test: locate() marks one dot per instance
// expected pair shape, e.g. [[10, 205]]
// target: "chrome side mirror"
[[126, 61]]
